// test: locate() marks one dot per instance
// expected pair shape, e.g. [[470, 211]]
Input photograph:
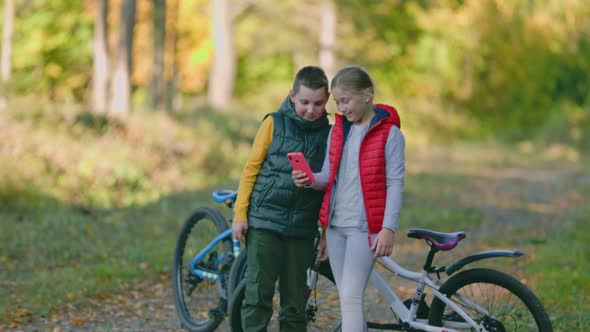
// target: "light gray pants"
[[352, 262]]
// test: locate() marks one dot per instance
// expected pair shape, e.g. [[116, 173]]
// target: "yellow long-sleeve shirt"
[[257, 155]]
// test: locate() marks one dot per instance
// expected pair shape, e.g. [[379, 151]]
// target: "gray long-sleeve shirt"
[[347, 207]]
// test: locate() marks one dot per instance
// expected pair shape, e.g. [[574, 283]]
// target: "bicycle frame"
[[205, 274], [408, 316], [219, 196]]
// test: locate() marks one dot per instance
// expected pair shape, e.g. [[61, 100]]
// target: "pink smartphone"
[[297, 160]]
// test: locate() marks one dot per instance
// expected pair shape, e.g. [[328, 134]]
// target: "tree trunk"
[[100, 79], [222, 75], [7, 32], [158, 80], [327, 36], [121, 82], [172, 95]]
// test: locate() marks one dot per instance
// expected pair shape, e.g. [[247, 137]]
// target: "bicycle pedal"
[[423, 309], [453, 317], [310, 315], [216, 314], [223, 307]]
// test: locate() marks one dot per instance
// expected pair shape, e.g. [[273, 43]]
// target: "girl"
[[363, 179]]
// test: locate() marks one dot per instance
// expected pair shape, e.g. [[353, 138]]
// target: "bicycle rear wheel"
[[322, 312], [201, 302], [491, 298]]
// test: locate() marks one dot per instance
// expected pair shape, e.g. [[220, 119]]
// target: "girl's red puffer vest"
[[371, 164]]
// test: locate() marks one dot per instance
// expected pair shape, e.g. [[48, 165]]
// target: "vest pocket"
[[265, 193]]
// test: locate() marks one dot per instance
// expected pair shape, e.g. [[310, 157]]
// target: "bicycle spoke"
[[492, 299]]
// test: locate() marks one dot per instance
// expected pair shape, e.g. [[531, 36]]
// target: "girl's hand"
[[383, 244], [322, 250], [300, 179]]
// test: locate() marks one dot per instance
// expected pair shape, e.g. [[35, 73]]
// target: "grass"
[[62, 254], [564, 274], [90, 206]]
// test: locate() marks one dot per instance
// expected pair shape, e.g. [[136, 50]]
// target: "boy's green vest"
[[276, 204]]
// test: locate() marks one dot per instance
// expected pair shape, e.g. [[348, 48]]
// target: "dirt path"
[[508, 198], [146, 307]]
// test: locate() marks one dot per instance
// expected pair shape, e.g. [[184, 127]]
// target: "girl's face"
[[309, 104], [357, 107]]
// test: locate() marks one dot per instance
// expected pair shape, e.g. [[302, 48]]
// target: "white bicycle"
[[471, 300]]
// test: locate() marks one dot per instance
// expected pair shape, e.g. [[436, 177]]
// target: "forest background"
[[118, 117]]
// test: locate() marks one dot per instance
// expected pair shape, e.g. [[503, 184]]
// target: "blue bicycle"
[[203, 258], [209, 270]]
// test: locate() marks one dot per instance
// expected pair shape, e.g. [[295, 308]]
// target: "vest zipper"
[[371, 128], [266, 192], [291, 205]]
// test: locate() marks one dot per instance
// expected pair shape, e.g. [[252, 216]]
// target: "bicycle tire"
[[329, 318], [201, 305], [512, 305], [237, 272]]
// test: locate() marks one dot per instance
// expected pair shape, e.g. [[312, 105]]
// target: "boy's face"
[[309, 104]]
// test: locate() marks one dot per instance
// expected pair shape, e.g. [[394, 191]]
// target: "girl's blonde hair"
[[354, 77]]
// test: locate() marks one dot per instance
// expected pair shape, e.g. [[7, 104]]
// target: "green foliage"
[[568, 126], [97, 123], [74, 156], [507, 64], [492, 67], [15, 193], [52, 49], [256, 75]]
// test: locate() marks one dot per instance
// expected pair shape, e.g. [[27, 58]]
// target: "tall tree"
[[7, 32], [327, 36], [121, 82], [172, 82], [158, 84], [100, 78], [223, 72]]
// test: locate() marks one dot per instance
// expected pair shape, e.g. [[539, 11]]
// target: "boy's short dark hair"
[[311, 77]]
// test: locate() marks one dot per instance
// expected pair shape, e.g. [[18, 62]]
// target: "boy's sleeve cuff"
[[240, 217]]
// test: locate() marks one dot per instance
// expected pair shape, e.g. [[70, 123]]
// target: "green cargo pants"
[[271, 257]]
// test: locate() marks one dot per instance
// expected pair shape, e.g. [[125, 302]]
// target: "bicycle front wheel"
[[493, 299], [201, 300], [322, 311], [237, 272]]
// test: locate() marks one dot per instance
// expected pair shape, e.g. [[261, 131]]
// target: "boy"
[[279, 218]]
